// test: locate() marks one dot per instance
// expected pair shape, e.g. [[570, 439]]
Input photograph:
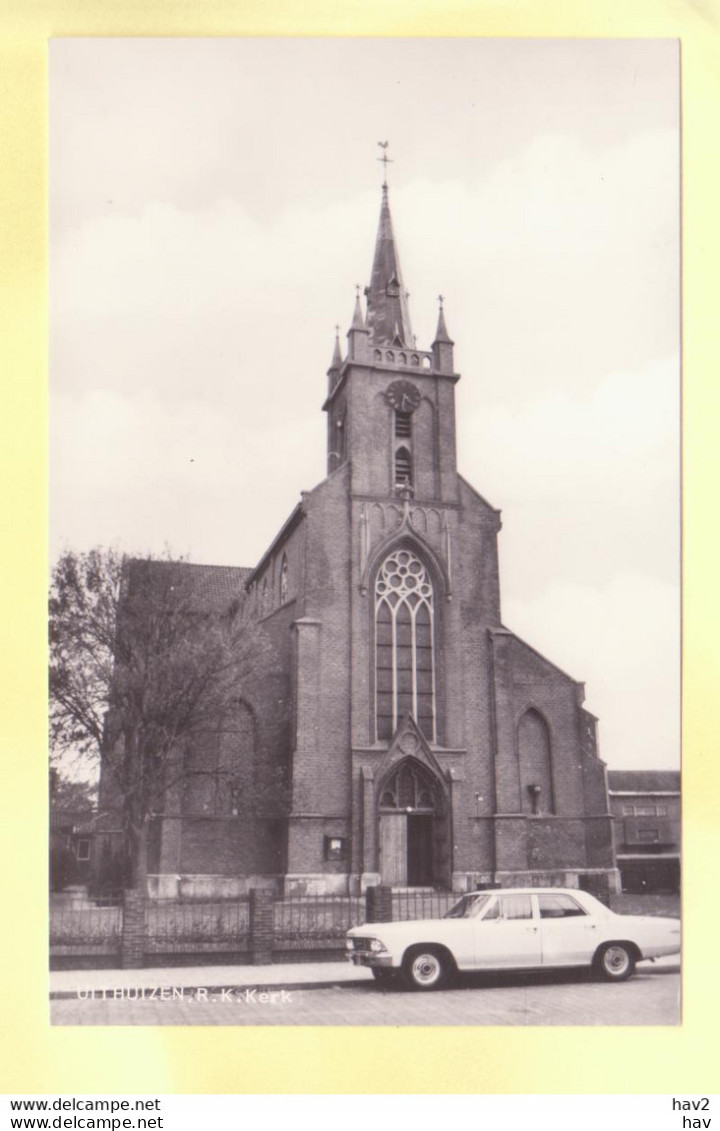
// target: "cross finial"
[[441, 300], [337, 330], [385, 160]]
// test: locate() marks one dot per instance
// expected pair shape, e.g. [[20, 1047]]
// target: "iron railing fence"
[[197, 926], [81, 924], [418, 903], [316, 922]]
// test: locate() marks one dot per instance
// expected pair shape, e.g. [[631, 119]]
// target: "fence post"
[[262, 925], [132, 943], [378, 904], [597, 885]]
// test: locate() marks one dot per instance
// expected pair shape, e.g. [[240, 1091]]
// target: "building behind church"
[[425, 744]]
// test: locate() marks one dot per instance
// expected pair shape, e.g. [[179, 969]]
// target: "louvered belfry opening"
[[403, 425], [403, 468]]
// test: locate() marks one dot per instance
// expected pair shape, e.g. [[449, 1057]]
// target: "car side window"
[[515, 907], [559, 907]]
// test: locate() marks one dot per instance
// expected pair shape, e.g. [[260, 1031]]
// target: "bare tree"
[[142, 664]]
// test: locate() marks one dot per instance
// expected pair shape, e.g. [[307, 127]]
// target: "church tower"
[[453, 753], [390, 405], [421, 742]]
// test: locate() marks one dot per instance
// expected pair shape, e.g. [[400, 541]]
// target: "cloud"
[[143, 474], [619, 436], [623, 640], [557, 263]]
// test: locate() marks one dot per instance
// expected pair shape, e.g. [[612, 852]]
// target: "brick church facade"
[[425, 745]]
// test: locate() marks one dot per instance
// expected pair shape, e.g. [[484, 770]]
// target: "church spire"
[[442, 347], [358, 322], [358, 334], [441, 334], [336, 363], [388, 318]]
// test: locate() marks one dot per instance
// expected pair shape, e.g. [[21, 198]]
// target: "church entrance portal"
[[413, 839]]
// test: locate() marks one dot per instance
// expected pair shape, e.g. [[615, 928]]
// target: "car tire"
[[426, 968], [615, 962]]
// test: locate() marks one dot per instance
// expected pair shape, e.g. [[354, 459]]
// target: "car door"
[[568, 933], [507, 936]]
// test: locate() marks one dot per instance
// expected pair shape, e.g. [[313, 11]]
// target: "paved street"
[[651, 997]]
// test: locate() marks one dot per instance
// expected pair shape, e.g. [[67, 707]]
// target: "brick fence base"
[[132, 946], [262, 925], [378, 904]]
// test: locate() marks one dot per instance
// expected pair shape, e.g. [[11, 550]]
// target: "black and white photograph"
[[364, 622]]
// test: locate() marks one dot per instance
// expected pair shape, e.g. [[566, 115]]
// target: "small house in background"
[[645, 805], [72, 826]]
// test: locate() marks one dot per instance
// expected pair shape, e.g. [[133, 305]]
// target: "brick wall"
[[314, 697]]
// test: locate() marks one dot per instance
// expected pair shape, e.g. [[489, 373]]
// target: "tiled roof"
[[643, 781], [210, 588], [59, 818]]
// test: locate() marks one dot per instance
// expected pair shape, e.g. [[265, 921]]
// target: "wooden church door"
[[412, 829], [393, 848]]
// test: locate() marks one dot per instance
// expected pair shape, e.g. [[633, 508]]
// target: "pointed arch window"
[[235, 758], [535, 756], [404, 645], [409, 787], [284, 580]]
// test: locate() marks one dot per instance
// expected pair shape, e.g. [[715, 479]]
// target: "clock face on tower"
[[403, 396]]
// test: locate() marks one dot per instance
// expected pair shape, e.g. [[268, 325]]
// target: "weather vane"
[[385, 161]]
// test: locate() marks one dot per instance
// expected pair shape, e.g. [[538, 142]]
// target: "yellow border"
[[38, 1059]]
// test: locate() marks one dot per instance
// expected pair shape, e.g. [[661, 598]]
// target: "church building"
[[425, 745]]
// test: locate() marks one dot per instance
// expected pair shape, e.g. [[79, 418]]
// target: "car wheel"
[[425, 968], [615, 962]]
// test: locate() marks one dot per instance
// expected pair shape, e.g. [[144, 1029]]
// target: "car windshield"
[[467, 907]]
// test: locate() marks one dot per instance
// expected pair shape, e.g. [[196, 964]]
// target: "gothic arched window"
[[284, 580], [404, 645], [536, 784], [235, 758], [219, 765], [408, 787]]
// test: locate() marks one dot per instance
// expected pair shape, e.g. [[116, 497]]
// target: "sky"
[[213, 204]]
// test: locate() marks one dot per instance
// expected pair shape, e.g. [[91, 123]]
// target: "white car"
[[512, 929]]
